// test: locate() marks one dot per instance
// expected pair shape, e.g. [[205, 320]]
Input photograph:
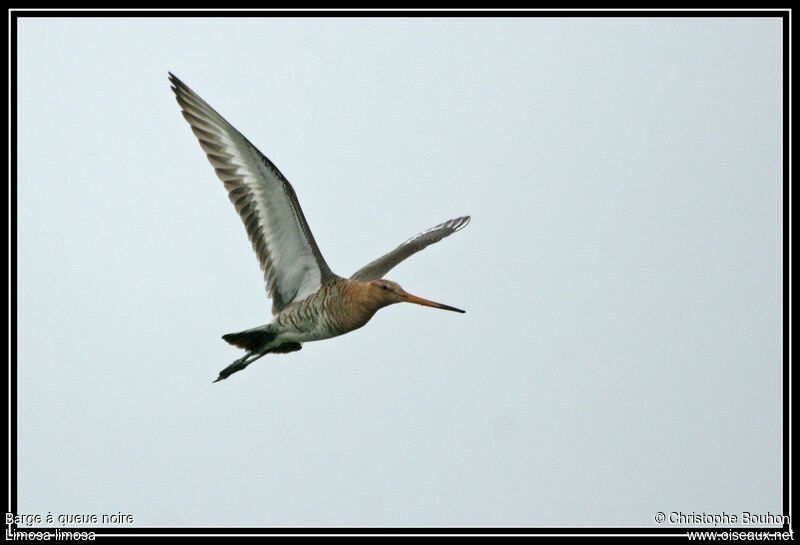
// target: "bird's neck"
[[362, 304]]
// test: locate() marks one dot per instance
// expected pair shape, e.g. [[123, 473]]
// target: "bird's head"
[[385, 292]]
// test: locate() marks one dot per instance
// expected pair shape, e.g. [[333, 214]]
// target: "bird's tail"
[[254, 340], [258, 342]]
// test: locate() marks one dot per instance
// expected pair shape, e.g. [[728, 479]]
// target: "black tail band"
[[252, 341]]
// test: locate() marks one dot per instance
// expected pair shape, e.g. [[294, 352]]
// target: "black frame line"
[[106, 531]]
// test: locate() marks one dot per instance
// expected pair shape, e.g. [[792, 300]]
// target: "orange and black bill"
[[424, 302]]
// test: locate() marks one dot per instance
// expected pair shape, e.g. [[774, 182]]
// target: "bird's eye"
[[385, 287]]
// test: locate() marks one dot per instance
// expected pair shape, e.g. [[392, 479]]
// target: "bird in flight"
[[309, 301]]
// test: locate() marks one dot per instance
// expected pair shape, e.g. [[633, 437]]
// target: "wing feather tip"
[[461, 222]]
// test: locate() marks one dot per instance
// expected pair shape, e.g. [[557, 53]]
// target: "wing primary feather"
[[385, 263], [267, 204]]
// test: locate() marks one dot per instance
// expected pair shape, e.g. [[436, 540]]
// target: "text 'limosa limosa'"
[[309, 301]]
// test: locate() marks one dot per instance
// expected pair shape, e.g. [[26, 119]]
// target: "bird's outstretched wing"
[[384, 264], [292, 263]]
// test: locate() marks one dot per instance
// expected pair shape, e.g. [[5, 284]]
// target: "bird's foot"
[[236, 366]]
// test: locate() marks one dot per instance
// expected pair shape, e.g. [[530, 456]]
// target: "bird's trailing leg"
[[243, 362], [238, 365]]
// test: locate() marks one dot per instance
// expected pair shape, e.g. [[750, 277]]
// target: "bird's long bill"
[[424, 302]]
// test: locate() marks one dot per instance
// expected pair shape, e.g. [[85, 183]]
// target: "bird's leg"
[[238, 365]]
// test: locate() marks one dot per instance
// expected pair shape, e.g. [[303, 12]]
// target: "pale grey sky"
[[621, 350]]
